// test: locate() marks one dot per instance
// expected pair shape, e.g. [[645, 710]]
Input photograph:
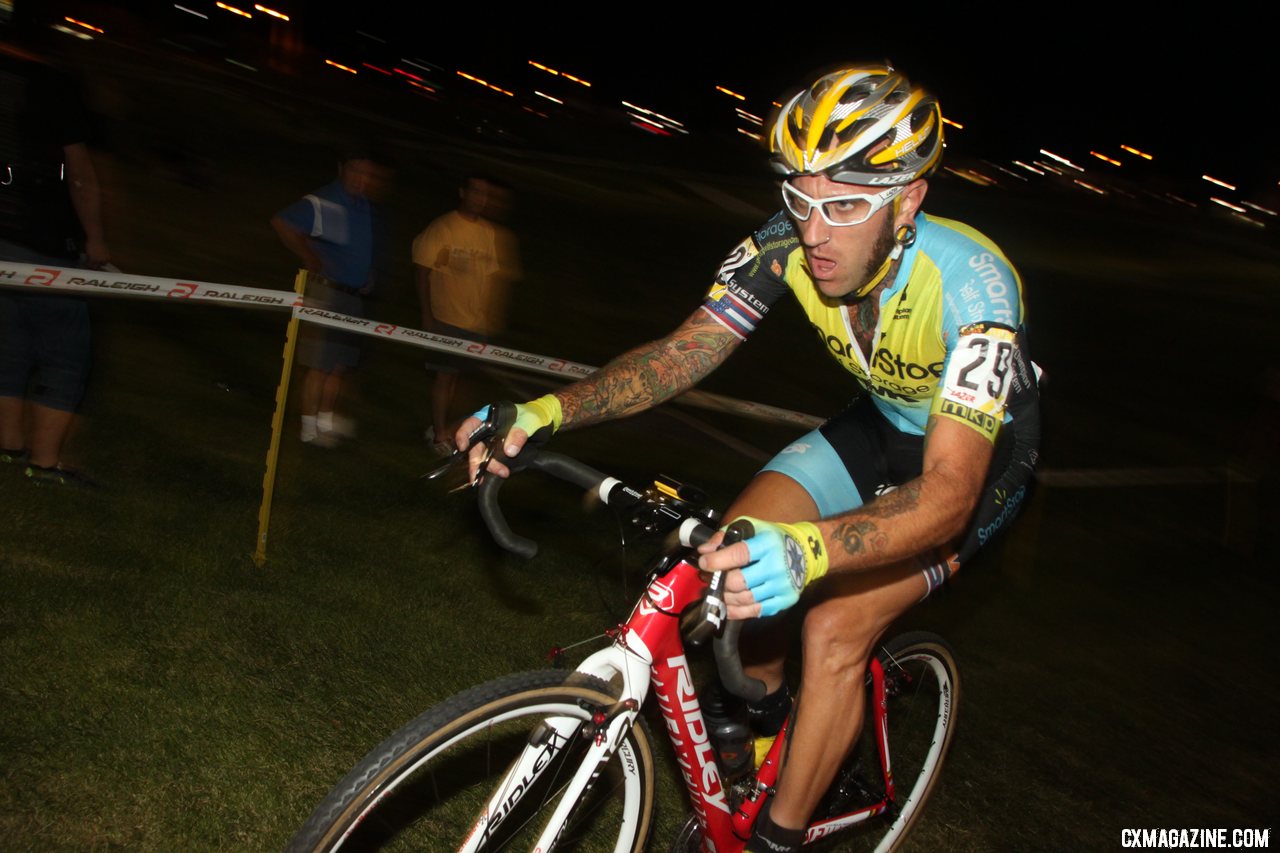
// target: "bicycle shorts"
[[858, 455]]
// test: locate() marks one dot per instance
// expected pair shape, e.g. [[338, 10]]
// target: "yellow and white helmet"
[[863, 125]]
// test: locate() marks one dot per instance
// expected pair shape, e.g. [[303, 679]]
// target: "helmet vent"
[[856, 94]]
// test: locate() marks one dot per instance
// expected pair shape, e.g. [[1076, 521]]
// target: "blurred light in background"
[[340, 66], [973, 176], [1009, 172], [1105, 158], [655, 118], [190, 11], [91, 27], [80, 34], [1218, 182], [464, 75], [272, 12], [1268, 211], [565, 74], [1136, 152], [233, 10], [1060, 159], [730, 93]]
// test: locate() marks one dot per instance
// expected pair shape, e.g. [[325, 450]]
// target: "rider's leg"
[[770, 496], [840, 632]]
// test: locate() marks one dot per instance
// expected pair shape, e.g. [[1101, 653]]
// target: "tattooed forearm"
[[905, 498], [649, 374], [859, 537]]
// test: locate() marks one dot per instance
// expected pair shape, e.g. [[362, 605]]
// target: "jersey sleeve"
[[300, 216], [982, 313], [319, 218], [749, 280]]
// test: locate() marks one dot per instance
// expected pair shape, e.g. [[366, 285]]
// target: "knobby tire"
[[424, 787]]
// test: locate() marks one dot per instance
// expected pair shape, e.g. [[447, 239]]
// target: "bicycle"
[[554, 760]]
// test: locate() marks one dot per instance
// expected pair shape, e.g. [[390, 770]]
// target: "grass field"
[[159, 692]]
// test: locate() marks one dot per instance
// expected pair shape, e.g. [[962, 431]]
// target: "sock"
[[768, 837], [768, 715], [308, 427], [324, 421]]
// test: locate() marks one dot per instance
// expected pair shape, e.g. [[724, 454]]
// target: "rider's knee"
[[839, 640]]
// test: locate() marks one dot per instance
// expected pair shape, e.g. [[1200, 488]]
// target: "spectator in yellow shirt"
[[463, 262]]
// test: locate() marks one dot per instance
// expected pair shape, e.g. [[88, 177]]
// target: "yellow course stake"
[[277, 424]]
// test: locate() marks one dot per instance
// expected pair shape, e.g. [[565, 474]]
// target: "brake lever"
[[710, 618], [482, 433]]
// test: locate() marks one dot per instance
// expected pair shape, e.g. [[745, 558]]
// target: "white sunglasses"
[[838, 210]]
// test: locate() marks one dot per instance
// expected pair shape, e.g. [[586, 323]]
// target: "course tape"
[[99, 282], [539, 363], [48, 278]]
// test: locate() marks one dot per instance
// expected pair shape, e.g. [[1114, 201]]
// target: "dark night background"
[[158, 691], [1186, 82]]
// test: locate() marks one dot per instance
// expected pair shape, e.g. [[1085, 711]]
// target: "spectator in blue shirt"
[[332, 231]]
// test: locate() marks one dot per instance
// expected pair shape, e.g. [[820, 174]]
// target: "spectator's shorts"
[[44, 340], [443, 362], [321, 347]]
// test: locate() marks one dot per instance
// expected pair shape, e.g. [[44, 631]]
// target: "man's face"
[[843, 258], [364, 178], [474, 197]]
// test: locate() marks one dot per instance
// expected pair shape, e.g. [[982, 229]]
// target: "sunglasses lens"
[[798, 207], [848, 211]]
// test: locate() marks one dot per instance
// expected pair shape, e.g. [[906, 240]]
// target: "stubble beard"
[[879, 251]]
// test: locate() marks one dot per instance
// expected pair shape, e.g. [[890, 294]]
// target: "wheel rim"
[[920, 716], [920, 724], [434, 796]]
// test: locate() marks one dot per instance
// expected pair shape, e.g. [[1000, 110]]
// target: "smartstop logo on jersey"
[[1198, 838]]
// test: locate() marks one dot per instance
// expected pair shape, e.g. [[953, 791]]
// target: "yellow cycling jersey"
[[949, 339]]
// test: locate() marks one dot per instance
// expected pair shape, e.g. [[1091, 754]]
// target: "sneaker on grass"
[[59, 476], [326, 440], [17, 457]]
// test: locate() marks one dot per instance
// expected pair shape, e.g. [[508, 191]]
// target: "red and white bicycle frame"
[[648, 653]]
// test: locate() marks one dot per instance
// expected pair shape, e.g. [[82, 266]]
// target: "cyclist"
[[888, 498]]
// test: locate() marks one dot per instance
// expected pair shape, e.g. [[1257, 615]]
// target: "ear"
[[910, 201]]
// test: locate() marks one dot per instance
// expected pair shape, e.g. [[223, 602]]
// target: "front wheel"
[[426, 787], [922, 694]]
